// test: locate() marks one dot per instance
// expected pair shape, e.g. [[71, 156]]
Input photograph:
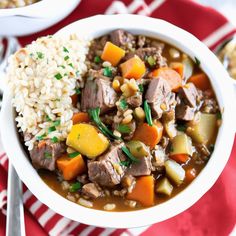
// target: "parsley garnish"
[[107, 72], [123, 104], [54, 140], [51, 129], [58, 76], [97, 59], [66, 58], [40, 55], [125, 163], [56, 122], [47, 118], [65, 49], [71, 65], [73, 154], [151, 61], [48, 155], [75, 187], [124, 129], [78, 91], [39, 138], [141, 89]]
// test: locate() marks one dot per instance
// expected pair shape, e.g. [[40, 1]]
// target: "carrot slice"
[[74, 99], [180, 158], [133, 68], [178, 67], [143, 191], [150, 135], [201, 81], [112, 53], [41, 143], [71, 167], [171, 76], [190, 174], [80, 117]]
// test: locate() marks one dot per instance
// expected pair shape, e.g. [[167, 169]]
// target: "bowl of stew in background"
[[175, 171]]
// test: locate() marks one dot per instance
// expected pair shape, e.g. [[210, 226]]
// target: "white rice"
[[37, 93]]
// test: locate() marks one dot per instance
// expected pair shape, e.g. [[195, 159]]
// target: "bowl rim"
[[186, 198]]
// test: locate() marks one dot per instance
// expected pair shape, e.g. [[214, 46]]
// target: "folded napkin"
[[215, 213]]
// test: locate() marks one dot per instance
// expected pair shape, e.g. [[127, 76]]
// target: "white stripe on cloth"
[[218, 34], [135, 5], [138, 231], [59, 227], [87, 230], [26, 196], [47, 215], [3, 160], [151, 8], [69, 228], [107, 232], [35, 206], [116, 7]]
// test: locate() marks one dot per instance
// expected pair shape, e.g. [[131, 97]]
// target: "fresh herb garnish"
[[197, 62], [75, 187], [58, 76], [181, 128], [48, 118], [141, 89], [47, 155], [107, 72], [218, 115], [97, 59], [66, 58], [77, 91], [62, 66], [129, 155], [94, 115], [51, 129], [54, 140], [126, 163], [71, 65], [124, 129], [56, 122], [147, 111], [123, 104], [151, 61], [41, 137], [40, 55], [73, 154], [65, 49]]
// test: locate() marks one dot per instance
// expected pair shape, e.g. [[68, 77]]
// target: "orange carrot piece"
[[143, 191], [190, 174], [201, 81], [171, 76], [71, 167], [74, 99], [180, 158], [178, 67], [80, 117], [41, 143], [112, 53], [133, 68], [150, 135]]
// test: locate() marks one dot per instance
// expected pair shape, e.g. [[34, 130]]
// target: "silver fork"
[[15, 209]]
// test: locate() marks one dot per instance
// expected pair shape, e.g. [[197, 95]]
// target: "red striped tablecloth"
[[215, 213]]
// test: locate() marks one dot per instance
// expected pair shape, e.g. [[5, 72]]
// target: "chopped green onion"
[[47, 155], [141, 89], [73, 154], [40, 55], [75, 187], [71, 65], [123, 104], [48, 118], [54, 140], [51, 129], [181, 128], [62, 66], [65, 49], [124, 129], [56, 122], [125, 163], [66, 58], [78, 91], [147, 111], [197, 62], [94, 115], [218, 115], [129, 155], [97, 59], [151, 61], [58, 76], [39, 138], [107, 72]]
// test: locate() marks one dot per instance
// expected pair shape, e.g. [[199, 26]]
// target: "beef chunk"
[[122, 38], [91, 190], [135, 100], [158, 93], [188, 94], [98, 93], [106, 171], [184, 112], [44, 155]]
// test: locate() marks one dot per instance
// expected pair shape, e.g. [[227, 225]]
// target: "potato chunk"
[[87, 140]]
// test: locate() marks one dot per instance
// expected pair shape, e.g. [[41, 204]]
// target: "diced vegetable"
[[180, 158], [129, 154], [171, 76], [178, 67], [75, 187], [112, 53], [80, 117], [203, 128], [143, 191], [181, 144], [71, 167], [133, 68], [190, 174], [86, 139], [175, 172], [170, 128], [74, 99], [137, 149], [201, 81], [164, 187], [148, 114], [150, 135], [188, 68]]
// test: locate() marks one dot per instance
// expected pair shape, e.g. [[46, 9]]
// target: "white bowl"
[[34, 18], [97, 26]]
